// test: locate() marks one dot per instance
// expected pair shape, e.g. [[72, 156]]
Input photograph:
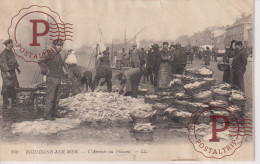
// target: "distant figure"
[[239, 66], [8, 65], [124, 58], [119, 59], [149, 66], [80, 76], [207, 55], [135, 57], [130, 80], [155, 61]]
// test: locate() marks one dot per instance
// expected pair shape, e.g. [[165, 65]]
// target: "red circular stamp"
[[38, 33], [218, 130]]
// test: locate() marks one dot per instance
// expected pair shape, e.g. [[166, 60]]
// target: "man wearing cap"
[[8, 66], [135, 57], [179, 61], [54, 69], [239, 66]]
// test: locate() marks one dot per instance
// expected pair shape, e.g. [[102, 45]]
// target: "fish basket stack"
[[24, 95], [143, 132], [195, 95], [65, 88]]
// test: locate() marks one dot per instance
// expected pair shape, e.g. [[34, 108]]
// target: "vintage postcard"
[[127, 80]]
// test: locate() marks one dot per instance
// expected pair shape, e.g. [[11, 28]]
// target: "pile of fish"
[[104, 107], [94, 108], [45, 127]]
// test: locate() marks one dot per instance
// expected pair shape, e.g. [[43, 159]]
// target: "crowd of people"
[[156, 65]]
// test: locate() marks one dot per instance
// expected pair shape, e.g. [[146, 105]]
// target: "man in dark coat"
[[207, 55], [79, 76], [149, 66], [239, 66], [180, 60], [130, 80], [155, 62], [54, 70], [8, 66]]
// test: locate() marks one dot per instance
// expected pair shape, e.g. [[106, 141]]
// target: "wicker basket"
[[184, 120], [148, 100], [202, 99], [192, 91], [186, 80], [204, 76], [222, 97], [39, 101], [24, 95], [168, 101], [223, 66], [137, 119], [206, 86], [190, 73], [204, 119], [181, 105], [143, 135], [238, 103], [142, 92], [178, 86]]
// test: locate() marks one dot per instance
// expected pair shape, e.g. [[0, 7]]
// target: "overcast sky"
[[164, 20]]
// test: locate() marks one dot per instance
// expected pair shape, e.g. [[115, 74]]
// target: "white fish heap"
[[86, 107]]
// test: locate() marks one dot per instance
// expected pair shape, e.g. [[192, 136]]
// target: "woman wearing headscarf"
[[229, 54]]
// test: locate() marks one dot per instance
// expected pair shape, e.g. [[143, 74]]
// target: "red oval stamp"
[[38, 33], [218, 130]]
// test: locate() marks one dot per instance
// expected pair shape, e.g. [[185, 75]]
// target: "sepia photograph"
[[127, 80]]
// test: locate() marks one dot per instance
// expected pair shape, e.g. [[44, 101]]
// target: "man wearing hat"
[[239, 66], [54, 69], [8, 66], [156, 61], [135, 54]]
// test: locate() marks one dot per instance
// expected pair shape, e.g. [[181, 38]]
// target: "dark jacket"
[[240, 60], [180, 56], [53, 66], [8, 61], [228, 54]]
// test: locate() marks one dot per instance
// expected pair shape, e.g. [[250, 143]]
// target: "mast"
[[125, 38]]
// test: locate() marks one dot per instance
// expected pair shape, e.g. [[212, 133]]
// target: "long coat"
[[8, 63], [164, 74], [238, 68], [135, 58]]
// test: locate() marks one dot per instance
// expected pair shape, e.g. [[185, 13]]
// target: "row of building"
[[221, 36]]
